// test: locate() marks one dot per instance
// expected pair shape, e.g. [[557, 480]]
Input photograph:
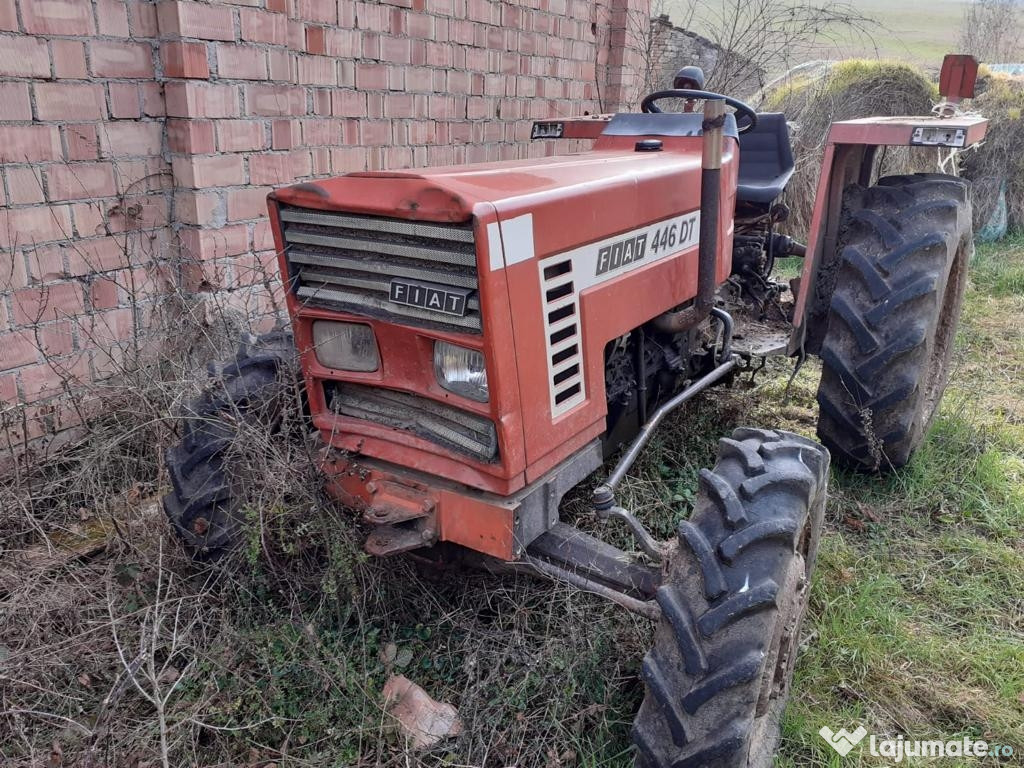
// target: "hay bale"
[[813, 98], [997, 164]]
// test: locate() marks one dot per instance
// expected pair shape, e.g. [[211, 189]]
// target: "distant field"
[[921, 31]]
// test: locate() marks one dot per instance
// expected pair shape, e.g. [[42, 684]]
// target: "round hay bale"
[[813, 98], [996, 166]]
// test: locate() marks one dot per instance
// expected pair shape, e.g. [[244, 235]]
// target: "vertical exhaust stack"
[[710, 207]]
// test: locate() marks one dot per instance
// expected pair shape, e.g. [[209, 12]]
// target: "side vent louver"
[[562, 335]]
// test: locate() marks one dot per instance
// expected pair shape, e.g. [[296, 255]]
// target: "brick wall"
[[139, 139]]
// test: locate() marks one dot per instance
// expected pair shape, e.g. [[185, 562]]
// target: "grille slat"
[[452, 428], [347, 262], [373, 306], [395, 270], [416, 229]]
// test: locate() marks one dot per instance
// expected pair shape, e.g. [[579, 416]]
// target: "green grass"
[[920, 31]]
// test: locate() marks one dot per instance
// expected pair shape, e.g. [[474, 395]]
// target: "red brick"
[[8, 388], [17, 349], [103, 293], [250, 203], [8, 16], [70, 101], [125, 102], [191, 136], [278, 6], [15, 103], [316, 41], [49, 302], [275, 100], [325, 11], [52, 377], [46, 263], [69, 60], [317, 70], [121, 59], [153, 99], [375, 132], [24, 57], [199, 20], [101, 254], [202, 209], [263, 236], [56, 339], [25, 184], [142, 18], [182, 59], [268, 168], [90, 219], [112, 16], [284, 134], [279, 63], [129, 139], [262, 27], [208, 244], [188, 98], [79, 181], [206, 172], [29, 143], [240, 135], [348, 103], [82, 141], [241, 62], [57, 17], [203, 277], [343, 43]]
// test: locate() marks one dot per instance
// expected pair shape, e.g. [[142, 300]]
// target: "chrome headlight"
[[461, 370], [345, 346]]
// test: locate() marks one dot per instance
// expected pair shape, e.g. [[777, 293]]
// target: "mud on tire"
[[732, 603], [905, 244], [203, 506]]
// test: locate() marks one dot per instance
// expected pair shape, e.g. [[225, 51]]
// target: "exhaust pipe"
[[710, 207]]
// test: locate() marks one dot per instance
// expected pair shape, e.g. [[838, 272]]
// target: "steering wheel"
[[649, 104]]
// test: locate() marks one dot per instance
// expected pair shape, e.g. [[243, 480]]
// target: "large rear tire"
[[204, 505], [905, 245], [733, 600]]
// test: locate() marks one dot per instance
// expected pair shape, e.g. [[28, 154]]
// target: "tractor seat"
[[766, 159]]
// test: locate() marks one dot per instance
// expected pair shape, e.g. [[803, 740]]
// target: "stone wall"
[[138, 141]]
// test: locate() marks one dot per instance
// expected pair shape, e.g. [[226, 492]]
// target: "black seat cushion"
[[766, 159]]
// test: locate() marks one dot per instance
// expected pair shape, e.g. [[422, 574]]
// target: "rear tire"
[[733, 600], [905, 245], [204, 505]]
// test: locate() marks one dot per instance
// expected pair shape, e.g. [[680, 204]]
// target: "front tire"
[[204, 504], [733, 601], [905, 245]]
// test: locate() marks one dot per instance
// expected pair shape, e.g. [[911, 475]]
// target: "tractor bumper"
[[408, 510]]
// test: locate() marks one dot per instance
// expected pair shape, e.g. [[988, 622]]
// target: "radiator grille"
[[457, 430], [347, 262]]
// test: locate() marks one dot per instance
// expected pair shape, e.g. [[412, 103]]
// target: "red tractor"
[[475, 341]]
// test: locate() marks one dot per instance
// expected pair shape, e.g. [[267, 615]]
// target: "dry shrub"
[[998, 163], [812, 98]]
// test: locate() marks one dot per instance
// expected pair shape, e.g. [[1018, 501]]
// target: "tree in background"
[[991, 31]]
